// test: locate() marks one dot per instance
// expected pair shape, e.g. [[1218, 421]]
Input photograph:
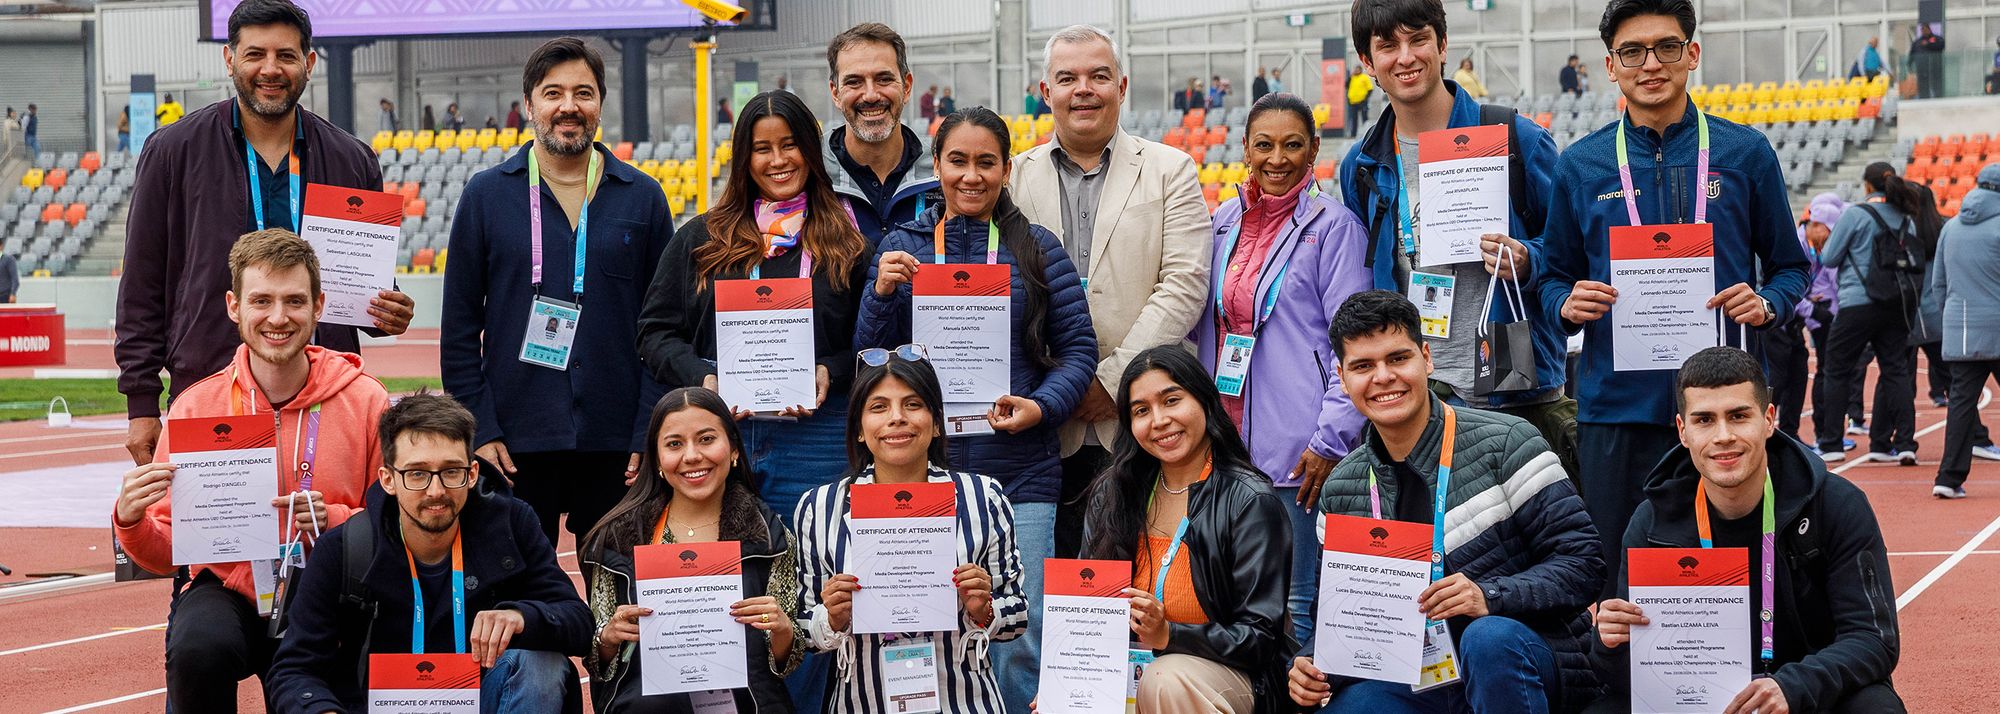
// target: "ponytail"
[[1913, 200], [1020, 237]]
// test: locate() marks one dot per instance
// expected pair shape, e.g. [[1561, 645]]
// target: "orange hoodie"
[[349, 453]]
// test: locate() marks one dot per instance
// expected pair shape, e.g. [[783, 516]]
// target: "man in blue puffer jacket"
[[1624, 419]]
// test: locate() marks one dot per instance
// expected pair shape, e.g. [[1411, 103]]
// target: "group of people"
[[1188, 392], [453, 120]]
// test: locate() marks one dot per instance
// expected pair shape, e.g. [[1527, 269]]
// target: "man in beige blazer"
[[1142, 244]]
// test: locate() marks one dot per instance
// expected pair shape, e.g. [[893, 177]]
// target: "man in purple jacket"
[[233, 167]]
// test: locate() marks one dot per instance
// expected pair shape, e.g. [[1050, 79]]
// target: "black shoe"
[[1941, 402]]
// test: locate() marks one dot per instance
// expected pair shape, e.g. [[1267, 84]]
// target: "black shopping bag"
[[1505, 357]]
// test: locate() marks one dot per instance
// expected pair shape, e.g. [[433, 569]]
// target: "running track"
[[98, 646]]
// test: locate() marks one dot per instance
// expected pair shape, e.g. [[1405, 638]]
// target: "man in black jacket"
[[521, 618], [1834, 639]]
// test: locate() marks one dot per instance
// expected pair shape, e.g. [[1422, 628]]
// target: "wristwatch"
[[1769, 313]]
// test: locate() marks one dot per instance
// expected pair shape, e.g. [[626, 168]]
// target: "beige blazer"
[[1149, 252]]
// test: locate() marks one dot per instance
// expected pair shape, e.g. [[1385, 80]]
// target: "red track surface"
[[1942, 634]]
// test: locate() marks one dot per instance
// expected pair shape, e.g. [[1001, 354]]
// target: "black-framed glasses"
[[420, 479], [1669, 52], [876, 356]]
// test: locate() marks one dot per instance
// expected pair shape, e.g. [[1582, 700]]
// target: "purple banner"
[[403, 18]]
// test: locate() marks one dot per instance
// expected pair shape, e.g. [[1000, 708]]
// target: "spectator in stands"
[[124, 128], [513, 115], [1828, 636], [1927, 62], [1378, 179], [784, 85], [1031, 105], [168, 112], [874, 160], [1521, 560], [927, 104], [1259, 86], [388, 121], [1570, 79], [1623, 415], [30, 126], [1217, 92], [219, 629], [1131, 216], [561, 419], [1468, 80], [1869, 63], [779, 217], [1192, 98], [1967, 278], [1293, 253], [723, 115], [1993, 75], [491, 123], [1277, 86], [428, 120], [1872, 318], [453, 120], [476, 562], [946, 105], [1359, 87], [196, 186], [10, 278]]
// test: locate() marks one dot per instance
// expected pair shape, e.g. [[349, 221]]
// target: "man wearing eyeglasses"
[[220, 630], [472, 568], [1663, 162]]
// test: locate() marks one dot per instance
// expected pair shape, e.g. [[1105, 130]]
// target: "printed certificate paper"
[[222, 489], [423, 684], [690, 643], [1695, 657], [764, 343], [354, 233], [1462, 191], [1664, 276], [904, 549], [1085, 630], [960, 314], [1370, 576]]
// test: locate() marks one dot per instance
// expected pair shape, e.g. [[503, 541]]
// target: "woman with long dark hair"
[[778, 218], [1208, 539], [1052, 354], [895, 434], [693, 487], [1900, 212]]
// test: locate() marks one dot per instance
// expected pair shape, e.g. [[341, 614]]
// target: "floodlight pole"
[[704, 48]]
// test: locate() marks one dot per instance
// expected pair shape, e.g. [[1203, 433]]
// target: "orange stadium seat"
[[1193, 118], [76, 213], [91, 162], [391, 187], [55, 178], [1218, 135], [623, 151], [413, 207], [52, 213]]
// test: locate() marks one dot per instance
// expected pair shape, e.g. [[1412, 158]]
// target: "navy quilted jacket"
[[1029, 464], [1513, 525]]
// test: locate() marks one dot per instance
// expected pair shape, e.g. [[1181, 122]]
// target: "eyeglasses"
[[876, 356], [420, 479], [1669, 52]]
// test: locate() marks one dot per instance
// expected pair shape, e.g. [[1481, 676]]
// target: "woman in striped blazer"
[[894, 435]]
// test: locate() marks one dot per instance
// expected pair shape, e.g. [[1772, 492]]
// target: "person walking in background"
[[427, 120], [124, 128], [1190, 99], [388, 116], [1870, 62], [1570, 79], [1259, 86], [1359, 87], [947, 106], [927, 104], [1876, 311], [514, 115], [1966, 275], [168, 112], [1277, 85], [1785, 346], [1468, 80], [29, 128]]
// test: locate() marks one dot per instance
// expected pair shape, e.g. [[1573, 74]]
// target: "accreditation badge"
[[1440, 665], [550, 333], [1232, 368], [1432, 294], [910, 682], [1140, 658]]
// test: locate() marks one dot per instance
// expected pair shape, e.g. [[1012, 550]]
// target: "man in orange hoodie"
[[326, 410]]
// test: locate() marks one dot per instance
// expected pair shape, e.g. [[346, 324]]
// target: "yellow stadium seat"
[[724, 151], [438, 264], [671, 186], [676, 204], [405, 139], [651, 168], [444, 138], [1210, 173], [1788, 92], [468, 140], [1848, 109], [1045, 125], [33, 178], [1765, 92], [402, 270], [600, 134], [486, 139], [508, 138], [527, 135], [1235, 173], [383, 140], [425, 140], [690, 170], [1227, 192], [1320, 114]]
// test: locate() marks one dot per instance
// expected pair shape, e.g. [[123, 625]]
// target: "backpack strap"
[[1517, 167], [357, 551], [1879, 223], [1364, 193]]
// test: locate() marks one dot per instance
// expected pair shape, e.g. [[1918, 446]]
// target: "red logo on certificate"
[[1687, 567], [350, 204], [191, 434], [422, 671], [774, 294], [1085, 578], [963, 280], [1672, 240], [903, 500], [681, 560], [1384, 538], [1470, 142]]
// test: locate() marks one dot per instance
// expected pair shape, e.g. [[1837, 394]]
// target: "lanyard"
[[1766, 614], [1222, 280], [311, 436], [1700, 170], [805, 264], [1437, 501], [1174, 546], [1404, 225], [457, 597], [582, 235], [250, 160], [992, 241]]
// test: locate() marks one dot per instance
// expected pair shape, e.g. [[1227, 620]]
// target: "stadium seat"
[[623, 151], [52, 213], [1326, 170], [1218, 135], [404, 140], [33, 178], [56, 178], [1176, 137], [413, 207], [383, 141], [486, 139], [75, 213], [424, 140], [90, 161], [1193, 118], [423, 260], [1209, 173]]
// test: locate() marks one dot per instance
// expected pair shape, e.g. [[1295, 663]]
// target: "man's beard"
[[450, 518], [872, 134], [246, 87], [545, 134]]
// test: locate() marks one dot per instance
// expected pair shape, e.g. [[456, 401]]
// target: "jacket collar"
[[1424, 455], [1797, 478], [915, 178], [491, 552], [613, 168], [1380, 143], [1686, 123]]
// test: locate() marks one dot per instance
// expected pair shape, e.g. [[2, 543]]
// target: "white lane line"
[[1935, 553], [111, 701], [1931, 577], [56, 584], [86, 638], [53, 452], [62, 435]]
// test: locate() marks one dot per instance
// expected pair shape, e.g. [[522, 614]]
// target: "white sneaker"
[[1986, 452], [1887, 457], [1857, 428], [1832, 456], [1947, 492], [1907, 458]]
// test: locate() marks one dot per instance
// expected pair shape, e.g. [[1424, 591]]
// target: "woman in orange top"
[[1209, 542]]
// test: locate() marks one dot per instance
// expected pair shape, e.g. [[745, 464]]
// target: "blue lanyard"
[[257, 184], [1173, 547], [457, 598], [1278, 283], [1438, 505], [582, 237], [1404, 225]]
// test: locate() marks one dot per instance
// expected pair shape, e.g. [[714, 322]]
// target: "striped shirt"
[[985, 538]]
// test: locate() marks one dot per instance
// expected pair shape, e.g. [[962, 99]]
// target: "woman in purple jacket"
[[1282, 267]]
